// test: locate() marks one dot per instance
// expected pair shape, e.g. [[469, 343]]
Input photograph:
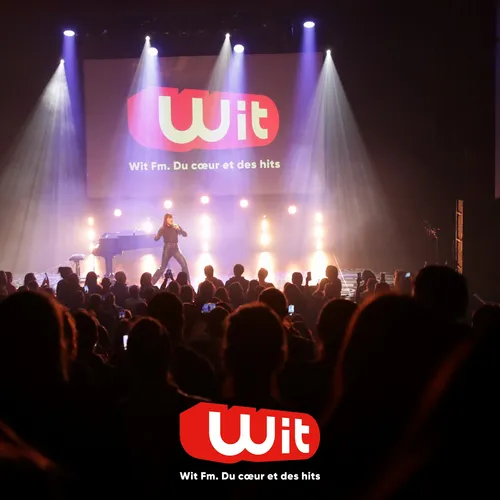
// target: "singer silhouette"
[[170, 233]]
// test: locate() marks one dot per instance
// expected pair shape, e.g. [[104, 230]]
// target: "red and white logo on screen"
[[172, 120], [217, 433]]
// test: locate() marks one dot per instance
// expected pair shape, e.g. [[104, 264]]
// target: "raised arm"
[[180, 230]]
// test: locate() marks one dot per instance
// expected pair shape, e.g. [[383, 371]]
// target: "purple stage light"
[[69, 33], [292, 209], [152, 51], [239, 49], [168, 204], [117, 213], [244, 203], [205, 200], [309, 24]]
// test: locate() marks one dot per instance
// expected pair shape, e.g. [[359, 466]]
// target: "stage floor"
[[280, 269]]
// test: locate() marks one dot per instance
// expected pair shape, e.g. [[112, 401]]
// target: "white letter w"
[[197, 128], [244, 441]]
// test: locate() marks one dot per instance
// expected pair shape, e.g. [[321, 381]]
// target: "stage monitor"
[[187, 126]]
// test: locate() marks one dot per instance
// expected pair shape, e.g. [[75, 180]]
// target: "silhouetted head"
[[443, 291], [238, 270], [255, 343], [33, 349], [174, 287], [146, 279], [221, 294], [187, 294], [28, 278], [209, 271], [332, 273], [148, 352], [262, 274], [182, 278], [91, 279], [121, 278], [166, 308], [88, 332], [206, 291], [332, 325], [275, 300], [297, 279], [134, 292]]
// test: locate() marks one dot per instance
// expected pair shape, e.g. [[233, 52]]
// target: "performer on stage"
[[170, 234]]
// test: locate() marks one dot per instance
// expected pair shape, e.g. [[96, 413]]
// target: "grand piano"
[[112, 244]]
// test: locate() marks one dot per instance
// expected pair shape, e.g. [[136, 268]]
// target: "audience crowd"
[[401, 379]]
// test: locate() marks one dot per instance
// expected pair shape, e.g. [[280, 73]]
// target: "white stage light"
[[309, 24], [117, 212], [265, 239], [69, 33], [319, 233], [264, 225], [244, 203], [148, 227], [61, 61], [292, 209], [148, 38], [227, 35], [205, 200], [319, 217], [91, 235], [168, 204], [153, 51], [239, 49], [328, 52], [90, 221]]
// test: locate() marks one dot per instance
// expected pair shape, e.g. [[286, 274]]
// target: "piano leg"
[[108, 266]]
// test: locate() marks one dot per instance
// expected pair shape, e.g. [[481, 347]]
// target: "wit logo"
[[214, 432], [164, 118]]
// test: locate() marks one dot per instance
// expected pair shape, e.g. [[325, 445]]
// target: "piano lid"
[[109, 236]]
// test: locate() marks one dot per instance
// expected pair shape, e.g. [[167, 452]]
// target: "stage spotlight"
[[292, 209], [264, 225], [148, 38], [62, 61], [319, 233], [328, 52], [148, 226], [239, 49], [69, 33], [117, 213], [227, 35], [168, 204], [244, 203], [205, 200], [91, 235], [204, 247], [309, 24], [319, 217], [153, 51], [90, 221], [205, 220], [265, 239]]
